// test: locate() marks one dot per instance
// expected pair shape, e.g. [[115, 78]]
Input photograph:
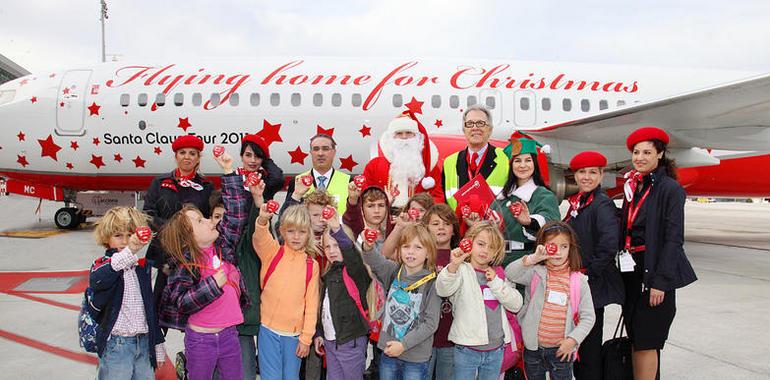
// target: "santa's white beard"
[[405, 159]]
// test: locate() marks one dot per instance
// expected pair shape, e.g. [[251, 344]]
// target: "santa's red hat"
[[587, 159], [646, 134], [260, 142], [187, 141]]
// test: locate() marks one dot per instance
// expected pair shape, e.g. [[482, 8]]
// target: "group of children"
[[435, 302]]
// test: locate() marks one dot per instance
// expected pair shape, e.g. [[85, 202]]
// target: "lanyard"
[[417, 283], [468, 155], [178, 174], [633, 212], [575, 206]]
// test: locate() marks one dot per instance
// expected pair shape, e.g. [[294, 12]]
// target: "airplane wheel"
[[67, 218]]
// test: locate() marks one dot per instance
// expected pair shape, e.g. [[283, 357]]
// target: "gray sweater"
[[411, 321], [529, 315]]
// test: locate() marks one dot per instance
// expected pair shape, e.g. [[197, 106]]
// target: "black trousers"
[[590, 366]]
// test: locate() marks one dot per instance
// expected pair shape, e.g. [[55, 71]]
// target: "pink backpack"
[[350, 286], [274, 263], [513, 351]]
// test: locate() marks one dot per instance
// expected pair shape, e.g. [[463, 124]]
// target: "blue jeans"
[[472, 364], [537, 363], [397, 369], [441, 363], [126, 358], [278, 355]]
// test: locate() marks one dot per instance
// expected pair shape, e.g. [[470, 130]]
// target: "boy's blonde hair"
[[428, 241], [321, 198], [297, 216], [495, 246], [118, 219]]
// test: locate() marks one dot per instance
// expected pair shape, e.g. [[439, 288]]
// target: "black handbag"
[[616, 356]]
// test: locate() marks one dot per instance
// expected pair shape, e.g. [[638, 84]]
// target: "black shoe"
[[256, 364]]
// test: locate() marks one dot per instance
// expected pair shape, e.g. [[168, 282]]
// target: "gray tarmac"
[[720, 331]]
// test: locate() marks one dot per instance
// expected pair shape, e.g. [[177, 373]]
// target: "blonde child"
[[558, 311], [290, 294], [480, 298], [206, 294], [129, 340], [412, 307]]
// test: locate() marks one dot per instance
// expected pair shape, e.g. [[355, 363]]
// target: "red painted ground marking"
[[76, 356], [44, 300], [10, 280]]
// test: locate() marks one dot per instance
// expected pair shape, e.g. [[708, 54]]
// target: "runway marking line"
[[10, 280], [45, 347]]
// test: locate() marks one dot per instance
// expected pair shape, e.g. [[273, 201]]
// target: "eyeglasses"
[[481, 124]]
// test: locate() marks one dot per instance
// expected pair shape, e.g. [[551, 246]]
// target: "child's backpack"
[[274, 263], [374, 323], [89, 319]]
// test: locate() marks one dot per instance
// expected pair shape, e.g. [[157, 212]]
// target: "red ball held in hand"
[[465, 211], [218, 150], [551, 249], [144, 234], [328, 212], [370, 235], [466, 245], [515, 208], [253, 179], [272, 206], [413, 213], [359, 181], [307, 180]]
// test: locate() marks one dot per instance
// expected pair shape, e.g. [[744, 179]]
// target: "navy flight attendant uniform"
[[656, 245]]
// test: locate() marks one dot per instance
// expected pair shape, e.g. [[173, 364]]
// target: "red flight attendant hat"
[[646, 134], [587, 159], [187, 141]]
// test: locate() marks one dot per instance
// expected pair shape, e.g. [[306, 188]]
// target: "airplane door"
[[70, 109], [525, 104]]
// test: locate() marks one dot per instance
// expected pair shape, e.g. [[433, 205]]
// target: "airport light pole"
[[104, 17]]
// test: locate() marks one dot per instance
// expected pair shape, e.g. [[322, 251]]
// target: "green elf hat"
[[519, 146]]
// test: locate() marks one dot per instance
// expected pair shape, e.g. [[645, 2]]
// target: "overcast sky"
[[44, 35]]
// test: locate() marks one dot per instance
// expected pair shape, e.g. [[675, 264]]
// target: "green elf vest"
[[543, 207], [496, 179], [337, 188]]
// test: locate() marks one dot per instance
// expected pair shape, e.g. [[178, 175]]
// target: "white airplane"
[[109, 126]]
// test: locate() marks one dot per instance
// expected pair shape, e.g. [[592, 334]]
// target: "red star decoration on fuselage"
[[22, 160], [139, 162], [33, 99], [438, 123], [69, 166], [320, 130], [23, 82], [98, 161], [95, 141], [184, 123], [157, 150], [365, 131], [66, 90], [414, 106], [270, 132], [93, 109], [298, 156], [74, 145], [347, 163], [117, 157], [21, 136], [61, 104], [49, 148]]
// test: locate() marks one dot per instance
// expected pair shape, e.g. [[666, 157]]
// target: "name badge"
[[215, 262], [626, 263], [557, 298]]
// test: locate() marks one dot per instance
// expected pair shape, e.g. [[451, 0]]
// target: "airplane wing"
[[734, 116]]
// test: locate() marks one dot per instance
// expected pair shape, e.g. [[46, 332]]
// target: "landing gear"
[[68, 218]]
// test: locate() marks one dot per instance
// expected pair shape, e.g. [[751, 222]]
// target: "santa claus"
[[407, 162]]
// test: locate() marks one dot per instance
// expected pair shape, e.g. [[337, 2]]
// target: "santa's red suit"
[[378, 170]]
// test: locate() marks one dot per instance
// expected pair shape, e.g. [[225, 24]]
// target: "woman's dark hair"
[[536, 176], [664, 161], [254, 148]]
